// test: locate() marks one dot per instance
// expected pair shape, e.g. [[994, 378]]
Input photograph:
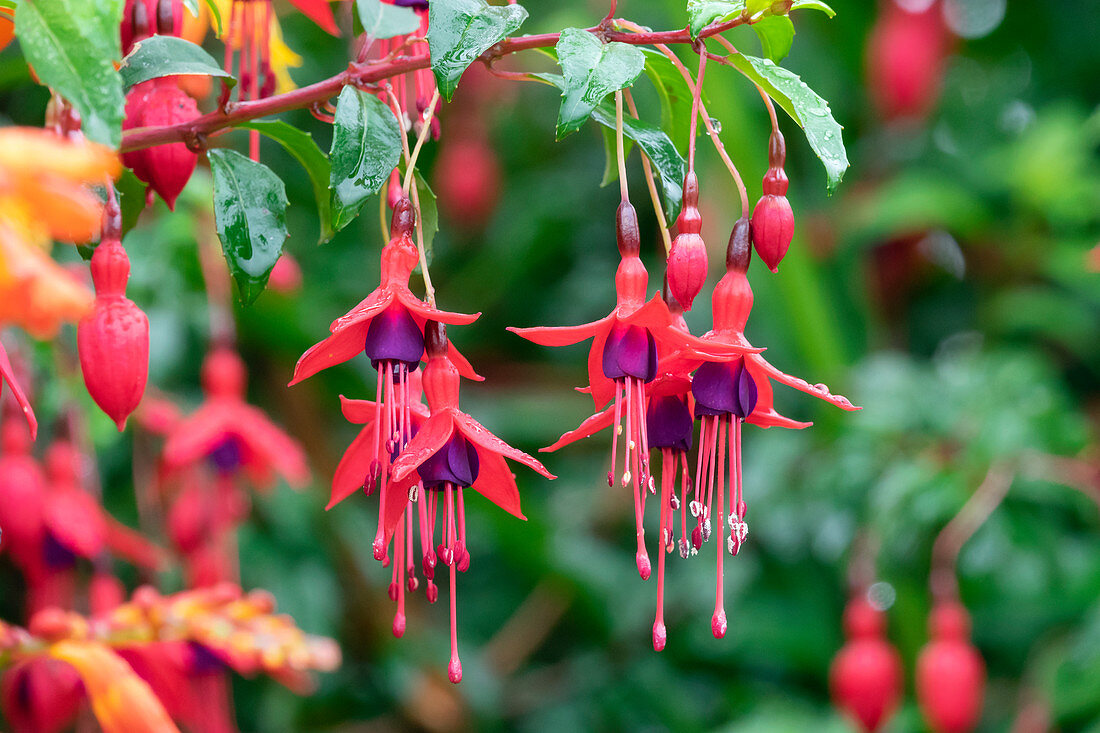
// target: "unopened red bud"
[[113, 342], [950, 677], [435, 338], [286, 276], [866, 675], [166, 168], [467, 179], [775, 182], [687, 268], [739, 249], [772, 229], [404, 217], [627, 233]]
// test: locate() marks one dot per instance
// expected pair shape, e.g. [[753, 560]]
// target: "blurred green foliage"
[[944, 288]]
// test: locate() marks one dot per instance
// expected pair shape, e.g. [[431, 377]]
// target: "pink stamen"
[[645, 568], [460, 549], [615, 437], [410, 565], [454, 669], [718, 620], [668, 473], [385, 407], [398, 567]]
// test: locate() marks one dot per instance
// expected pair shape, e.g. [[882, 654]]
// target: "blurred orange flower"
[[122, 701], [44, 196]]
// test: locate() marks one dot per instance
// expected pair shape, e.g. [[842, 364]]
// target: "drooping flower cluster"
[[418, 459], [662, 379]]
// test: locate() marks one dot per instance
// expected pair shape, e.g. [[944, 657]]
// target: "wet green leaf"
[[381, 20], [159, 56], [366, 147], [461, 30], [591, 70], [813, 5], [805, 107], [73, 46], [303, 148], [776, 34], [250, 216], [702, 13]]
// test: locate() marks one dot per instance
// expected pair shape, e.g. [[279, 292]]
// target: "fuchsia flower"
[[232, 434], [728, 393], [450, 452], [623, 359], [388, 325], [7, 376]]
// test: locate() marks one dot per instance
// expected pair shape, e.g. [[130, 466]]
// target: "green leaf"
[[73, 46], [810, 111], [776, 34], [813, 5], [159, 56], [192, 7], [380, 20], [674, 95], [666, 160], [212, 6], [591, 70], [250, 216], [366, 147], [461, 30], [702, 13], [131, 198], [429, 213], [303, 148]]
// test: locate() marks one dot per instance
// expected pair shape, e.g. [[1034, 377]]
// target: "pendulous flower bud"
[[950, 673], [687, 261], [113, 342], [866, 674], [772, 219], [166, 168]]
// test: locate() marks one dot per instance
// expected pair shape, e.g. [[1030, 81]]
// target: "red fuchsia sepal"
[[360, 464], [76, 522], [450, 452], [393, 299], [7, 376], [22, 488], [319, 12], [232, 433], [732, 303]]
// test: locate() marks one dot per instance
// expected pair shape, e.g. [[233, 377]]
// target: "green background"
[[944, 288]]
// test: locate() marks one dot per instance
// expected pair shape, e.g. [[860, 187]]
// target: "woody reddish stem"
[[945, 550], [366, 75]]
